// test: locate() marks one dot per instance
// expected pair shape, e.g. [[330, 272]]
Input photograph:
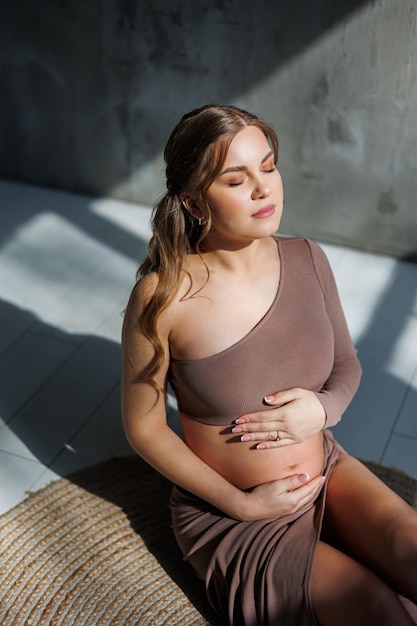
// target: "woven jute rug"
[[96, 548]]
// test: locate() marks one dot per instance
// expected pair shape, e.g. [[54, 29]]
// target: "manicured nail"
[[269, 398], [261, 446], [236, 429], [245, 438], [303, 478], [238, 421]]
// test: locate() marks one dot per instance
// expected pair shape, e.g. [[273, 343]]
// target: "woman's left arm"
[[301, 413]]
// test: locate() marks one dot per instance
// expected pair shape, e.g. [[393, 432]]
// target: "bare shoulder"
[[140, 335], [142, 292], [139, 298]]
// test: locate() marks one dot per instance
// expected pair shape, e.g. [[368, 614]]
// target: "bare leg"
[[374, 524], [346, 593]]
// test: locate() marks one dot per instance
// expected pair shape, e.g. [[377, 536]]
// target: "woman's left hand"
[[298, 415]]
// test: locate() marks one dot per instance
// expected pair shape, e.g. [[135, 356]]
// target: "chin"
[[270, 229]]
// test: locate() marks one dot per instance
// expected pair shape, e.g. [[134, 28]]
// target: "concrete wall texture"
[[90, 91]]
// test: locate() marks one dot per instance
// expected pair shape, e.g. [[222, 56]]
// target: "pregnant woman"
[[282, 525]]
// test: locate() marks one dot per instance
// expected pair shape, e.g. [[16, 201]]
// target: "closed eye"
[[235, 182]]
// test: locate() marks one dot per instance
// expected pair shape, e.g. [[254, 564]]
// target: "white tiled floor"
[[67, 265]]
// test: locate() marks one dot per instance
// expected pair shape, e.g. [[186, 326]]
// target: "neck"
[[234, 256]]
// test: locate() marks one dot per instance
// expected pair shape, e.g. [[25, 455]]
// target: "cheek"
[[279, 184], [223, 203]]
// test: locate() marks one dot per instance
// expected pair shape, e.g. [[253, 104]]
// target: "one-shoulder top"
[[302, 341]]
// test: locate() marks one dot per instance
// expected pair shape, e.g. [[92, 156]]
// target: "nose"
[[260, 189]]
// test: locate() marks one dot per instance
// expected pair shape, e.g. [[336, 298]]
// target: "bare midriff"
[[242, 464]]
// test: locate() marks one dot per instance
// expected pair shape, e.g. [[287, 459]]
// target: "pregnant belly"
[[245, 466]]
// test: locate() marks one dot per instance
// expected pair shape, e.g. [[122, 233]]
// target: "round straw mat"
[[96, 548]]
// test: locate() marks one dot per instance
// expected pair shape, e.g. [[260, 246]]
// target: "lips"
[[266, 211]]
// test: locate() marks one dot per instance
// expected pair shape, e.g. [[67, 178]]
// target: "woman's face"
[[246, 198]]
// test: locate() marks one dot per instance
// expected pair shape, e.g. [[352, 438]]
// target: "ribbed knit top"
[[302, 341]]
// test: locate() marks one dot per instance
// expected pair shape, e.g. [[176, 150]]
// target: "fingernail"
[[245, 438], [269, 398], [236, 429], [238, 421], [303, 478], [261, 446]]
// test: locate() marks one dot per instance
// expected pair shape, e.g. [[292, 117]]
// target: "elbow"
[[142, 433]]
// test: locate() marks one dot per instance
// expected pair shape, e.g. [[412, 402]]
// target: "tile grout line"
[[80, 428], [77, 348], [395, 422]]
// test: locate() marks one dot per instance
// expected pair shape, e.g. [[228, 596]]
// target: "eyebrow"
[[244, 168]]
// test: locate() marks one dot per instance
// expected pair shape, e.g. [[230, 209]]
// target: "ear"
[[190, 204]]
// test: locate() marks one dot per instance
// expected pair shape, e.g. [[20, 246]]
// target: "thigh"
[[365, 517], [345, 592]]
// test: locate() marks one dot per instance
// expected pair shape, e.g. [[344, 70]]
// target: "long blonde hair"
[[194, 155]]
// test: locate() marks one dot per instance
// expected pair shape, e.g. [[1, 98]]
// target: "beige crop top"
[[302, 341]]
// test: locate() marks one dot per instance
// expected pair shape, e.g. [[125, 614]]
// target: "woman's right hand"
[[282, 497]]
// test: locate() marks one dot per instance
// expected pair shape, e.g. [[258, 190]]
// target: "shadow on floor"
[[384, 402], [56, 386]]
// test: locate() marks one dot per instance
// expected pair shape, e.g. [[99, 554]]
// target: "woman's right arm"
[[145, 423]]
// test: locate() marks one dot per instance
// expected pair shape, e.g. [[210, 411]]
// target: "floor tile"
[[13, 323], [101, 437], [43, 480], [13, 444], [16, 477], [26, 366], [407, 421], [401, 453], [388, 357], [362, 281], [68, 399]]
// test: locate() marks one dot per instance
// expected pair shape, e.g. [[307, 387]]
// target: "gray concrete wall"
[[90, 91]]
